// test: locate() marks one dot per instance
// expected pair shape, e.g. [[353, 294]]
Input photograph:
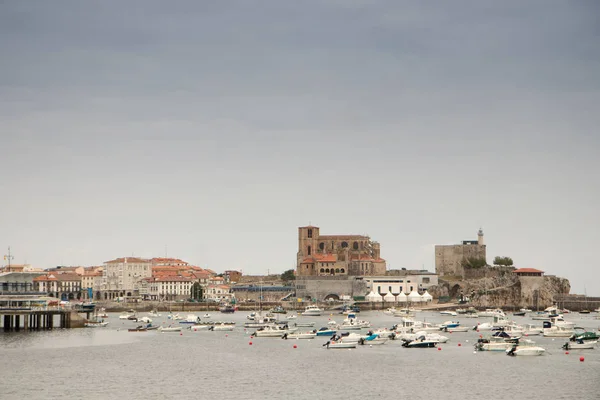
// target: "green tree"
[[197, 291], [288, 275], [503, 261]]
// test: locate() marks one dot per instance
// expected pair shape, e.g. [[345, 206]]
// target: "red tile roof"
[[326, 257], [128, 260], [528, 270]]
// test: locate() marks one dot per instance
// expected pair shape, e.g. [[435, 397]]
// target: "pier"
[[29, 313]]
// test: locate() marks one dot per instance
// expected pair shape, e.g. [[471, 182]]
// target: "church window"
[[327, 270], [309, 250], [344, 245], [342, 270], [322, 270], [310, 233], [322, 246], [355, 245], [337, 270]]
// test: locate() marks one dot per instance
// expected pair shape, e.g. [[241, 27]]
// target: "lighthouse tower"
[[480, 237]]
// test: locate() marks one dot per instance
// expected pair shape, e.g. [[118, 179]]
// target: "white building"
[[166, 288], [406, 282], [121, 277], [218, 293]]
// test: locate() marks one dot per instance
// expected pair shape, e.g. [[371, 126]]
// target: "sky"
[[210, 131]]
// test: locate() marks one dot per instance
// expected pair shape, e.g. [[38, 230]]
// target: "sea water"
[[112, 363]]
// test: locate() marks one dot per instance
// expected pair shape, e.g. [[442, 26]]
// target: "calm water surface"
[[110, 362]]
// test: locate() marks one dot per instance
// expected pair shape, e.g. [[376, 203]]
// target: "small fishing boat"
[[421, 341], [140, 328], [165, 329], [579, 345], [519, 350], [325, 331], [339, 345], [299, 335], [199, 327], [95, 324], [221, 327], [304, 324]]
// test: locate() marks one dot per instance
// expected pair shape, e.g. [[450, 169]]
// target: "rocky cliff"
[[502, 288]]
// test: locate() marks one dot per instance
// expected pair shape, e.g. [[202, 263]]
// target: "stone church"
[[337, 255]]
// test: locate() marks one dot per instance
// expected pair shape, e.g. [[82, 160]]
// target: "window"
[[337, 270], [322, 246], [344, 245], [355, 245], [322, 270], [389, 289], [309, 250], [342, 270], [310, 233], [425, 280], [411, 288], [327, 270]]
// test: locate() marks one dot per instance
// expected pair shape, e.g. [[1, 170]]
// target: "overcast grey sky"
[[218, 128]]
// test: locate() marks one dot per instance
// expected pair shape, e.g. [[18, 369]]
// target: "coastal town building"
[[121, 277], [334, 255], [231, 276], [12, 283], [403, 281], [166, 288], [452, 259], [91, 279], [62, 285], [218, 293]]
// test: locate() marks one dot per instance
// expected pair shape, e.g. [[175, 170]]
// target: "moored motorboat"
[[221, 327], [331, 344], [527, 350], [325, 331], [580, 345], [312, 311], [299, 335], [96, 324], [421, 341], [169, 329]]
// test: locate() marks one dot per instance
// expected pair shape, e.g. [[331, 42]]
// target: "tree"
[[288, 275], [503, 261], [197, 291]]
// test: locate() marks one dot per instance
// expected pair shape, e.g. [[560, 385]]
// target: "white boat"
[[95, 324], [492, 312], [527, 350], [299, 335], [146, 320], [222, 327], [190, 319], [373, 340], [550, 330], [448, 312], [436, 337], [498, 322], [274, 331], [290, 317], [532, 330], [154, 313], [128, 315], [304, 324], [175, 317], [199, 327], [206, 315], [170, 329], [420, 342], [580, 345], [456, 329], [312, 311], [405, 312], [339, 345]]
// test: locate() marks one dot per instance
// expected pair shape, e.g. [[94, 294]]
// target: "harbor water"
[[110, 362]]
